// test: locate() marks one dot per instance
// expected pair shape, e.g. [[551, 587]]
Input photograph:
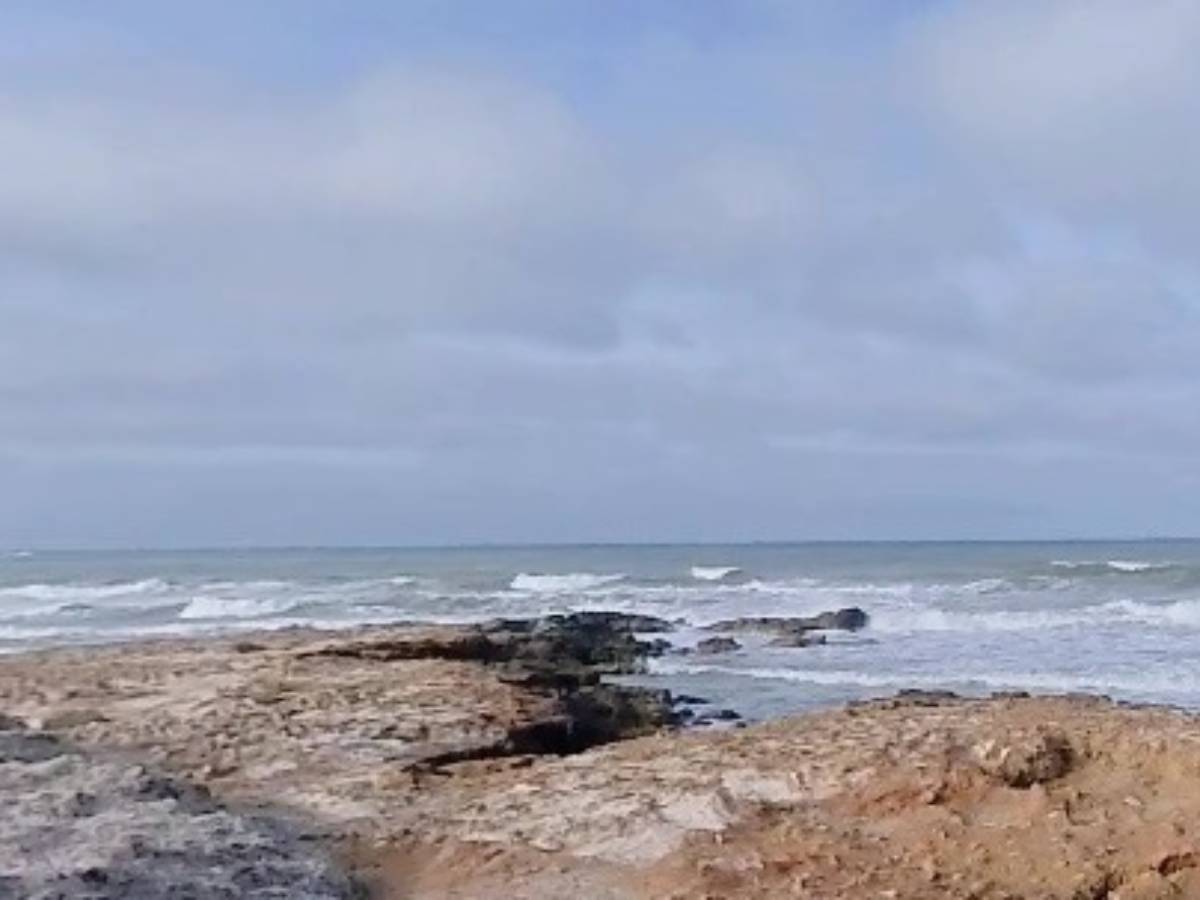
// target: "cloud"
[[1089, 109], [841, 275]]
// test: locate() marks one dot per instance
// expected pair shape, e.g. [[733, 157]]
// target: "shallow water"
[[1123, 619]]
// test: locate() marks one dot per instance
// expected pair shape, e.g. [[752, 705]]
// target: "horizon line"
[[567, 545]]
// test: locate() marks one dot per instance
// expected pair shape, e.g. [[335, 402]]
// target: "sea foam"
[[714, 573], [556, 584]]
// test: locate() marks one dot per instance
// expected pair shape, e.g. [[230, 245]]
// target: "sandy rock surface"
[[434, 777]]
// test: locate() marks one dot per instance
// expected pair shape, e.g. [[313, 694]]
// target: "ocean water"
[[1115, 618]]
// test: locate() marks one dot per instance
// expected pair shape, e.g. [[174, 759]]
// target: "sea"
[[1122, 619]]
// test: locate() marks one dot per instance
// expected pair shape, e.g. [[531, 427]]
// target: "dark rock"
[[565, 655], [921, 697], [28, 747], [713, 645], [798, 639], [849, 619], [605, 621], [689, 700]]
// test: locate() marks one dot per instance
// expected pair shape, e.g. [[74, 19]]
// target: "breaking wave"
[[714, 573], [84, 593], [1127, 566], [557, 584], [238, 607], [1133, 683], [1181, 613]]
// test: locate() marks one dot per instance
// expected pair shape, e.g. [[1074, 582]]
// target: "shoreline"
[[501, 748]]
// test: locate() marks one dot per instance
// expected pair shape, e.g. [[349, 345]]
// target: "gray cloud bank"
[[938, 283]]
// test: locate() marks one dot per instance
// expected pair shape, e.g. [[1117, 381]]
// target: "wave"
[[1127, 566], [556, 584], [1180, 613], [714, 573], [1163, 684], [83, 593], [238, 607]]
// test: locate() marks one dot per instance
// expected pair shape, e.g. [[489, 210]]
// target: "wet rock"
[[604, 642], [848, 619], [605, 622], [798, 639], [713, 645]]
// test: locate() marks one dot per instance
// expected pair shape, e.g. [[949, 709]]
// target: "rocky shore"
[[495, 761]]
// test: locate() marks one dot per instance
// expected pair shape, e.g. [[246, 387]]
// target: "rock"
[[798, 639], [849, 619], [607, 621], [8, 723], [714, 645], [72, 718], [1027, 761], [28, 747], [155, 838], [727, 716]]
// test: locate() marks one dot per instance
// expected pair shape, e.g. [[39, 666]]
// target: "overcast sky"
[[366, 271]]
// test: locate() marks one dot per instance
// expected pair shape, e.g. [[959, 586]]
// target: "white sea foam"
[[557, 584], [1161, 683], [84, 593], [1134, 566], [1128, 566], [1180, 613], [714, 573], [209, 607]]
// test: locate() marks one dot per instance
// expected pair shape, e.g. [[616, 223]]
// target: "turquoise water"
[[1121, 618]]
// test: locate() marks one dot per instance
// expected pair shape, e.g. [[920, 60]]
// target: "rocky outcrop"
[[924, 797], [440, 773], [578, 647], [849, 619]]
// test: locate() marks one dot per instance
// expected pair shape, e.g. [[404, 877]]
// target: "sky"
[[344, 272]]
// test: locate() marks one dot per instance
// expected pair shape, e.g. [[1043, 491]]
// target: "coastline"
[[495, 761]]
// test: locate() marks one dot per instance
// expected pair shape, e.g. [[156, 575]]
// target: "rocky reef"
[[496, 761]]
